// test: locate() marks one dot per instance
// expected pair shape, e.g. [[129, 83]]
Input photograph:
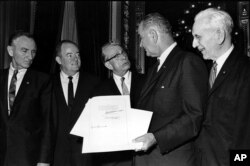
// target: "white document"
[[107, 123]]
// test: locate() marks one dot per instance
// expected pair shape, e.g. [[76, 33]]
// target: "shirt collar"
[[221, 60], [19, 71], [165, 54], [126, 76], [64, 76]]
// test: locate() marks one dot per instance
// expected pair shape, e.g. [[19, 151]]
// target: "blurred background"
[[92, 24]]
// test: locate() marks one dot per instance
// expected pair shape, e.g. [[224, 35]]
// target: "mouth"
[[201, 50]]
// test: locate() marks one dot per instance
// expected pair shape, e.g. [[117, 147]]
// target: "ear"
[[58, 60], [221, 36], [10, 50], [153, 35], [108, 65]]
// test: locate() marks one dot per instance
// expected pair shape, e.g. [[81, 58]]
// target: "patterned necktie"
[[12, 90], [212, 75], [124, 87], [70, 93]]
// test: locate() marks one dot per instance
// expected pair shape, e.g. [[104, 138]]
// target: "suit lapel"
[[166, 67], [27, 80], [59, 91], [25, 84], [224, 72], [114, 87], [4, 91], [81, 97]]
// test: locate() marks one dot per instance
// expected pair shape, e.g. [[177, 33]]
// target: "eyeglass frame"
[[115, 56]]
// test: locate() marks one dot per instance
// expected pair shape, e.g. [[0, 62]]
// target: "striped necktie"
[[12, 89]]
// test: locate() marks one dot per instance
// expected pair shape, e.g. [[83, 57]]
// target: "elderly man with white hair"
[[227, 119]]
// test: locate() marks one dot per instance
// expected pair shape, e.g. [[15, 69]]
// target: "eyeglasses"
[[115, 56]]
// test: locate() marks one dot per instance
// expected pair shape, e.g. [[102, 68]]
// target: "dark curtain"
[[14, 15], [93, 31], [47, 32]]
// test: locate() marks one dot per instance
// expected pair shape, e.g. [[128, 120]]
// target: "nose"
[[194, 43], [30, 55]]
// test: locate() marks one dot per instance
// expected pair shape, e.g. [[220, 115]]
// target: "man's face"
[[147, 42], [69, 60], [204, 39], [116, 60], [22, 51]]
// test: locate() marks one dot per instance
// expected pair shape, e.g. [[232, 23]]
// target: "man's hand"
[[148, 141]]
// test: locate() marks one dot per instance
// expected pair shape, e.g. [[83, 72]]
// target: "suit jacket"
[[108, 87], [227, 120], [176, 96], [25, 134], [68, 147]]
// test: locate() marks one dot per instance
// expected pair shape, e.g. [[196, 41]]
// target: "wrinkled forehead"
[[24, 41]]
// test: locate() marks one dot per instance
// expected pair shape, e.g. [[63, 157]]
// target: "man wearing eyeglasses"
[[122, 82]]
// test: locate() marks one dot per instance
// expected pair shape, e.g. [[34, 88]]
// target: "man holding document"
[[116, 59], [175, 91]]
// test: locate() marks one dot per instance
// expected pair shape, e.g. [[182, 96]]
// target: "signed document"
[[108, 123]]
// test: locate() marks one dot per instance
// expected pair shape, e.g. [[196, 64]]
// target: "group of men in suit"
[[197, 117], [35, 130]]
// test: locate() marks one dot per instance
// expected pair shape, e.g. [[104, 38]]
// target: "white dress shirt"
[[165, 54], [127, 81], [65, 81], [221, 60]]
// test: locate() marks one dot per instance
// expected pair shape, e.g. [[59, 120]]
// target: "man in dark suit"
[[26, 107], [227, 122], [68, 104], [115, 59], [175, 91]]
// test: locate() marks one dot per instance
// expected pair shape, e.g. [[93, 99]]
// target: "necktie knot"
[[122, 79], [15, 72], [215, 66], [70, 78]]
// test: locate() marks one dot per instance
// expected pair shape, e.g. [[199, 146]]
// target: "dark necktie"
[[155, 69], [124, 87], [12, 89], [156, 66], [212, 75], [70, 93]]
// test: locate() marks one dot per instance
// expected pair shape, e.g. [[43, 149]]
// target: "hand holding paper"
[[147, 140], [107, 123]]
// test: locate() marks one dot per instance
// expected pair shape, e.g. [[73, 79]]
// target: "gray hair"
[[217, 18], [156, 19], [111, 43]]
